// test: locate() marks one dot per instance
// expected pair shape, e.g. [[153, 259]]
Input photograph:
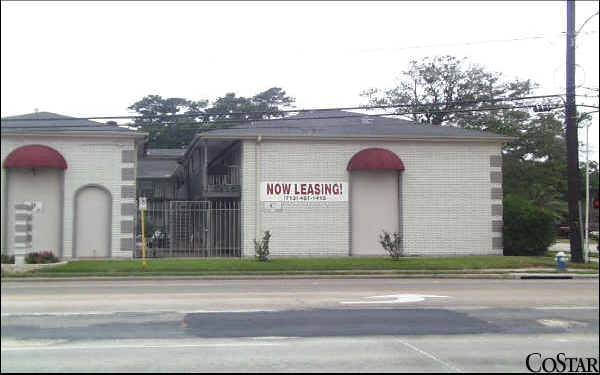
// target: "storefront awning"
[[35, 156], [375, 158]]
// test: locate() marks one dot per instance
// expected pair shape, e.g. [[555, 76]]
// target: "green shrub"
[[528, 230], [261, 248], [43, 257], [392, 246], [8, 259]]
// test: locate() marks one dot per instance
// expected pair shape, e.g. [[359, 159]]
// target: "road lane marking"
[[561, 323], [431, 356], [149, 284], [567, 308], [83, 313], [396, 298], [38, 297], [66, 313], [134, 346], [225, 311]]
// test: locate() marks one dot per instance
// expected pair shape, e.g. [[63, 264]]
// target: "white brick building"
[[80, 174], [439, 186]]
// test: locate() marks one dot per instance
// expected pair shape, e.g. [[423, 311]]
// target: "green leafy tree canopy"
[[168, 131], [450, 91]]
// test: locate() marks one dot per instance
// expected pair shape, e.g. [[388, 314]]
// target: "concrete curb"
[[20, 268], [513, 276]]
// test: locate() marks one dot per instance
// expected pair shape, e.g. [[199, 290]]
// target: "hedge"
[[528, 230]]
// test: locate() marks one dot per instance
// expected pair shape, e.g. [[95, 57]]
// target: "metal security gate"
[[192, 229]]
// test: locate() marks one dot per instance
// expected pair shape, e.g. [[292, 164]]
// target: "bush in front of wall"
[[392, 243], [43, 257], [261, 248], [8, 259], [528, 230]]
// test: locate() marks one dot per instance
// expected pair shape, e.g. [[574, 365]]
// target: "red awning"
[[375, 158], [35, 156]]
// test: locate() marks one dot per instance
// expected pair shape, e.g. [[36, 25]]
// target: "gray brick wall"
[[446, 189], [90, 161]]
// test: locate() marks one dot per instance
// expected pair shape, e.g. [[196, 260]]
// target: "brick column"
[[23, 234]]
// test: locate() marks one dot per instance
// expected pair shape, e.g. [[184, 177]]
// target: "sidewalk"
[[521, 273], [565, 247]]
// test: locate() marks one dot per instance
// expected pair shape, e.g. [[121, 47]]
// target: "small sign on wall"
[[143, 204], [37, 206], [273, 206], [304, 191]]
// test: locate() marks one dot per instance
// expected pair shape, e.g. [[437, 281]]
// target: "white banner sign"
[[304, 191]]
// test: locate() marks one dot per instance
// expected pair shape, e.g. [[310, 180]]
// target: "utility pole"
[[586, 226], [572, 141]]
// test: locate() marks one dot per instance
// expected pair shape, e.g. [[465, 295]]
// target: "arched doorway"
[[375, 199], [92, 222], [35, 173]]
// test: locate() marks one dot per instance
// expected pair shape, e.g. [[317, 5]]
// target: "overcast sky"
[[96, 59]]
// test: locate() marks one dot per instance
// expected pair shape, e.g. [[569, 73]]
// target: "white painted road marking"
[[429, 355], [70, 313], [67, 313], [567, 308], [134, 346], [397, 298], [97, 284], [223, 311]]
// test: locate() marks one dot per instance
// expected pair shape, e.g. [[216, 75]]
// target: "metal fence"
[[192, 229]]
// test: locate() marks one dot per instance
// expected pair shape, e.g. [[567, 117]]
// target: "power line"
[[587, 113], [586, 21], [280, 112], [234, 122], [590, 88], [473, 42]]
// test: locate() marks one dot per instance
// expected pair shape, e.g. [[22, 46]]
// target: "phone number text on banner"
[[303, 191]]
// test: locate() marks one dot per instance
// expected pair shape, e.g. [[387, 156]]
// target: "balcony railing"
[[225, 182]]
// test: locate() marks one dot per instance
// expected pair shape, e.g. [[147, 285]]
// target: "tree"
[[442, 84], [165, 130], [168, 131], [156, 110], [535, 164], [446, 90], [452, 92], [273, 101]]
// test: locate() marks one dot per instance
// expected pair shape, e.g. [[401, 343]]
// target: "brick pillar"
[[23, 234]]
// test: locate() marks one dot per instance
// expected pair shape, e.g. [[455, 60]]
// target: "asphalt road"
[[292, 325]]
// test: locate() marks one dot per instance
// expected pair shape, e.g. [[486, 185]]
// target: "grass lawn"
[[207, 266]]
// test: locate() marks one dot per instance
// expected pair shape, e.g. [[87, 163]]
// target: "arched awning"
[[375, 158], [35, 156]]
